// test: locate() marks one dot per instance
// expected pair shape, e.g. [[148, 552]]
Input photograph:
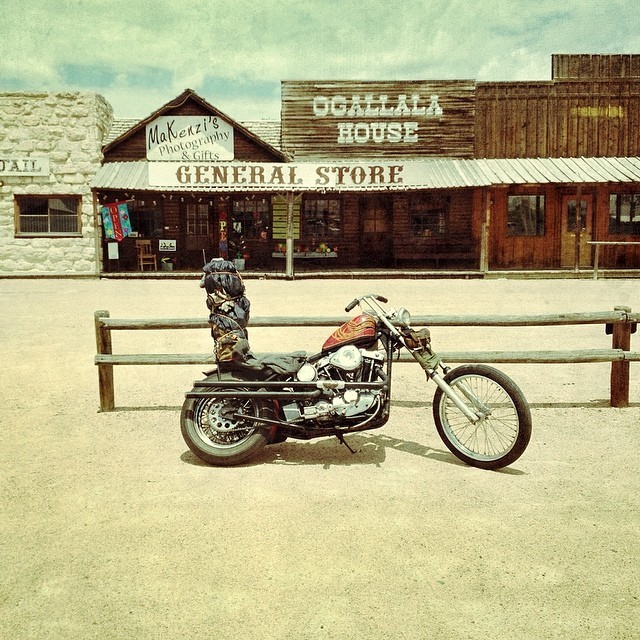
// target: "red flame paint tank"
[[361, 329]]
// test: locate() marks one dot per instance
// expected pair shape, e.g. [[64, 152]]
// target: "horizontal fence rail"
[[620, 323]]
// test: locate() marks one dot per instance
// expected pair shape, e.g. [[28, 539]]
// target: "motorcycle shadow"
[[328, 452], [368, 449]]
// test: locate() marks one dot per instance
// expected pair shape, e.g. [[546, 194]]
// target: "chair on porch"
[[145, 257]]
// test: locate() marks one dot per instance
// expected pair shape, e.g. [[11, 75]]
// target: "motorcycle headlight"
[[403, 317]]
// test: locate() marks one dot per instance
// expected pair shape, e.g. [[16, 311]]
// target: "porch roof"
[[431, 173]]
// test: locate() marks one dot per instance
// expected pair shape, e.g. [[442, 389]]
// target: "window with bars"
[[48, 215], [624, 214]]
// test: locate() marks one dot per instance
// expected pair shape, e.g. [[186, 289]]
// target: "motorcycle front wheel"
[[503, 432], [213, 432]]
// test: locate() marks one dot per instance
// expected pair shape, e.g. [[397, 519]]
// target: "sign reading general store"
[[189, 139], [291, 176]]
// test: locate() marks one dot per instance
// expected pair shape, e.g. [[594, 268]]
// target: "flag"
[[109, 232], [125, 221], [116, 221]]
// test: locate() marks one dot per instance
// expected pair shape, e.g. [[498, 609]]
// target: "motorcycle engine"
[[348, 364]]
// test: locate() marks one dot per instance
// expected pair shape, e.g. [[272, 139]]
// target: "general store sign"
[[24, 166], [189, 139], [291, 176]]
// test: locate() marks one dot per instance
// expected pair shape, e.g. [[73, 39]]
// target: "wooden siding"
[[134, 146], [524, 252], [594, 66], [614, 257], [349, 248], [557, 119], [309, 134], [460, 244]]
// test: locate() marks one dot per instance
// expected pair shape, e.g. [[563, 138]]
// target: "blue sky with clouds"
[[139, 54]]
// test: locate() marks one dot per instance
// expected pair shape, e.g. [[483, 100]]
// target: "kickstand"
[[344, 442]]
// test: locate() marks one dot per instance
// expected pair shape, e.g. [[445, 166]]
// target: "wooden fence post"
[[621, 339], [105, 371]]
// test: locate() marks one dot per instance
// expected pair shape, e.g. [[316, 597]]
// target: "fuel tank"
[[360, 330]]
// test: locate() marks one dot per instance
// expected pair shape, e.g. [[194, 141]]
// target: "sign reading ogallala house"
[[378, 119]]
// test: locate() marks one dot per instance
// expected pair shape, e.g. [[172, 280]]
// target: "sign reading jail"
[[24, 166], [189, 139]]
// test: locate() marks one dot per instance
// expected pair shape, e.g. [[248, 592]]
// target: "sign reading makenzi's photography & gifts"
[[189, 139]]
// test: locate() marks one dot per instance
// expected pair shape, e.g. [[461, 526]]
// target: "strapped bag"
[[229, 316], [228, 306], [417, 339]]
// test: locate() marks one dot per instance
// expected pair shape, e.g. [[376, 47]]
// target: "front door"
[[577, 214], [200, 235], [376, 240]]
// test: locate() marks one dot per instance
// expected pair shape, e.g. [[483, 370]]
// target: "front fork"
[[430, 362]]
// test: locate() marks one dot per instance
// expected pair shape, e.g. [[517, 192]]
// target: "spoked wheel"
[[503, 431], [214, 432]]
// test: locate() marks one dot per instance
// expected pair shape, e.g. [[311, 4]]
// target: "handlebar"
[[356, 302]]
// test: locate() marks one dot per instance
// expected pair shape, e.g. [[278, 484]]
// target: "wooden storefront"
[[417, 174], [589, 109]]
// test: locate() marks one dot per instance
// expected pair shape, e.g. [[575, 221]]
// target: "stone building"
[[50, 150]]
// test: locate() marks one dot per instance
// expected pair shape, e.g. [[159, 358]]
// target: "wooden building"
[[416, 174]]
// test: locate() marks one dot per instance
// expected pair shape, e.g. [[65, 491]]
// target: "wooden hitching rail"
[[620, 323]]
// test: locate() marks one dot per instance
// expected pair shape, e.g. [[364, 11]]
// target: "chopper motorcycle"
[[248, 402]]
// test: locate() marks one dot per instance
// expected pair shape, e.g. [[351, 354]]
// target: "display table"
[[306, 254]]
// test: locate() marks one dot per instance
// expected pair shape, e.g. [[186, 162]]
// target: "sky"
[[140, 54]]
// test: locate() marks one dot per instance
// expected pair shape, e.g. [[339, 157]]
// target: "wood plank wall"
[[595, 66], [460, 241], [134, 147], [310, 135], [557, 119]]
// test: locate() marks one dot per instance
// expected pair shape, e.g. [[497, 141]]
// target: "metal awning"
[[431, 173], [560, 170]]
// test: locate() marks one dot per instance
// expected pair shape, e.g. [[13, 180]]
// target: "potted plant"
[[239, 254]]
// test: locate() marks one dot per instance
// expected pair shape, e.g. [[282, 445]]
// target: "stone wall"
[[68, 129]]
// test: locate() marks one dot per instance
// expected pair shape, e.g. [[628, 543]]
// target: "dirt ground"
[[111, 528]]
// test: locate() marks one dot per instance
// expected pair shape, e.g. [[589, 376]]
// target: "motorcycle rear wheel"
[[496, 440], [215, 436]]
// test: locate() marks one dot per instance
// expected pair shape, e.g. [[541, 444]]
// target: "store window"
[[624, 214], [147, 219], [322, 218], [198, 220], [526, 215], [251, 218], [429, 215], [48, 215]]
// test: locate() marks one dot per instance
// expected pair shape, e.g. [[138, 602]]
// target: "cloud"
[[142, 54]]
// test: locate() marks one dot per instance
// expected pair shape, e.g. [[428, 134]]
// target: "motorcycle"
[[248, 402]]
